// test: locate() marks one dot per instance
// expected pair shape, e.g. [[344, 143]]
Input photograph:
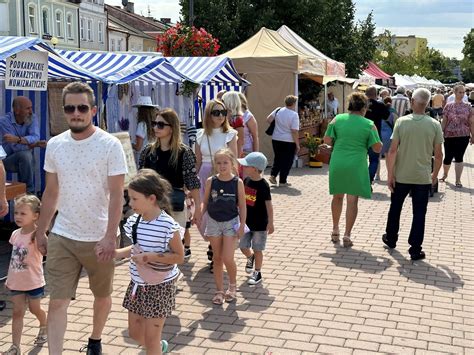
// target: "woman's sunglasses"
[[216, 113], [72, 108], [159, 124]]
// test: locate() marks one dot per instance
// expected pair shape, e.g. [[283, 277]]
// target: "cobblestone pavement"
[[316, 297]]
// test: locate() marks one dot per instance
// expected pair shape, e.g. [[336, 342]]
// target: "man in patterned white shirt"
[[85, 169], [400, 102]]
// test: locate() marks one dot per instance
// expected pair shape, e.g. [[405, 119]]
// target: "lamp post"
[[54, 42]]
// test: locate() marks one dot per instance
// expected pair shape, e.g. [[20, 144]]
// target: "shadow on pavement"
[[379, 196], [463, 189], [358, 259], [288, 190], [422, 272]]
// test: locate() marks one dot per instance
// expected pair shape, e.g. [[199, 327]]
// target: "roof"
[[121, 26], [139, 22], [374, 71], [270, 44], [333, 67]]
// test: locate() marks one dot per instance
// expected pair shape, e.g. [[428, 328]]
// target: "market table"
[[14, 189]]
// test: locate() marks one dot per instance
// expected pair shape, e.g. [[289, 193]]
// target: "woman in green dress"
[[351, 135]]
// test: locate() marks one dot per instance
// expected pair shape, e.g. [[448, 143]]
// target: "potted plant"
[[312, 143]]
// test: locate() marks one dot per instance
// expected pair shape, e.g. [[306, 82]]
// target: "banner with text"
[[27, 70]]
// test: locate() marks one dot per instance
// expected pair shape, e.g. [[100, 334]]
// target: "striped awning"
[[120, 68], [208, 70], [58, 67]]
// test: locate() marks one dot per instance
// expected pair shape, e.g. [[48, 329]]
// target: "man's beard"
[[80, 129]]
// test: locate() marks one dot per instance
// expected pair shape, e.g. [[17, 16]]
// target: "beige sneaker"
[[273, 180]]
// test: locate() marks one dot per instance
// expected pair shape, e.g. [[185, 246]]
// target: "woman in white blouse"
[[215, 135]]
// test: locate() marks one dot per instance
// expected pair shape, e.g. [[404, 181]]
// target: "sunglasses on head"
[[216, 113], [72, 108], [159, 124]]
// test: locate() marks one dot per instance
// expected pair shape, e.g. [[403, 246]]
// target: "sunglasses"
[[72, 108], [159, 124], [216, 113]]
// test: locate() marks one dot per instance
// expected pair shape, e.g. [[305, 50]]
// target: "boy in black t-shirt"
[[259, 214]]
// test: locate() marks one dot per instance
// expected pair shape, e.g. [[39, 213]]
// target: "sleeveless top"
[[222, 204], [248, 140]]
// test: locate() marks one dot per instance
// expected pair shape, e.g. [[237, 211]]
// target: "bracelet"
[[19, 139]]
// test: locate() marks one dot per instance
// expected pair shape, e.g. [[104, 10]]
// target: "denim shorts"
[[255, 240], [217, 229], [36, 293]]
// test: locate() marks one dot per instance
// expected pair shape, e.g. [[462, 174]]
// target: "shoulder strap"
[[134, 229], [210, 153]]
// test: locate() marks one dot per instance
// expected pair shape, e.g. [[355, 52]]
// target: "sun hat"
[[145, 101], [255, 159]]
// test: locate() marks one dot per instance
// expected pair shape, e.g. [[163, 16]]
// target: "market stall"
[[273, 66]]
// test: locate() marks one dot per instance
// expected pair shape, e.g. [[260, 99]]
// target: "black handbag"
[[177, 199], [271, 126]]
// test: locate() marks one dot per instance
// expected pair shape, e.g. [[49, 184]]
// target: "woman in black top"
[[174, 161]]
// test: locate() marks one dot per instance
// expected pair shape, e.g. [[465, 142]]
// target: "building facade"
[[93, 25], [410, 45], [45, 19]]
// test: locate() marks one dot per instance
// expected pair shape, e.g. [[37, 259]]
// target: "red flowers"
[[184, 41]]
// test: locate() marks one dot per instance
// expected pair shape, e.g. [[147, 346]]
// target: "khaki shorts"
[[181, 217], [64, 262]]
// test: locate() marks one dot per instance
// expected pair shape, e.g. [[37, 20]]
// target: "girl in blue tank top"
[[224, 200]]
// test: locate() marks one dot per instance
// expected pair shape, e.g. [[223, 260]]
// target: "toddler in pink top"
[[25, 278]]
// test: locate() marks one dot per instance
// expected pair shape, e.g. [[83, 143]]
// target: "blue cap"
[[255, 160]]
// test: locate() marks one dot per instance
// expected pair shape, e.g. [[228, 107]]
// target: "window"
[[59, 23], [45, 16], [32, 18], [69, 26], [82, 28], [89, 30], [101, 32]]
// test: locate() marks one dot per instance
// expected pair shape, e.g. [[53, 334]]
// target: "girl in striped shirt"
[[155, 253]]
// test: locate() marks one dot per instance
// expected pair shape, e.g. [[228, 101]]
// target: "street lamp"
[[54, 41]]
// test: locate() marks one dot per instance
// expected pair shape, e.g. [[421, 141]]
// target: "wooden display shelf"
[[14, 189]]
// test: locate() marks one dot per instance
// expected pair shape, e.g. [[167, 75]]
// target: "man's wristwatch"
[[19, 140]]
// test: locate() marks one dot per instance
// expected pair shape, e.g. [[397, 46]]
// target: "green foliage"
[[327, 24], [467, 64]]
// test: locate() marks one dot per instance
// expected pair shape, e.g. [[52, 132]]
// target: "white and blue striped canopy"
[[121, 68], [58, 67], [206, 70]]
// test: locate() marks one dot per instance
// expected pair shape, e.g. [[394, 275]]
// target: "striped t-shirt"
[[152, 236]]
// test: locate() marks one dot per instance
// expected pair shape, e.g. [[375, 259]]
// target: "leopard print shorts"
[[152, 301]]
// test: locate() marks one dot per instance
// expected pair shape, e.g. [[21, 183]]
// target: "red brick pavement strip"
[[315, 297]]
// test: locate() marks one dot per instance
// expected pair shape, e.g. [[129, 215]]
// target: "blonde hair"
[[243, 100], [171, 117], [233, 103], [226, 152], [31, 201], [148, 182], [206, 123]]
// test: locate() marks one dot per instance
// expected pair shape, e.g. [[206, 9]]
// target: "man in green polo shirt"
[[415, 137]]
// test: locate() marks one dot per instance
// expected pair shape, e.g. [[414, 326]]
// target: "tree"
[[326, 24], [467, 63]]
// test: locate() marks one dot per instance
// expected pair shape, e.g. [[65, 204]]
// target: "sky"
[[443, 23]]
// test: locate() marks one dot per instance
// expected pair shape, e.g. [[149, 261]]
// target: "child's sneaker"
[[164, 346], [42, 336], [14, 350], [249, 264], [187, 253], [255, 278]]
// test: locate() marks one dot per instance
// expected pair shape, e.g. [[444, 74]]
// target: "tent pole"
[[325, 100]]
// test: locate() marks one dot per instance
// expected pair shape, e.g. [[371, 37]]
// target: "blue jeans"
[[374, 159], [22, 163], [419, 194]]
